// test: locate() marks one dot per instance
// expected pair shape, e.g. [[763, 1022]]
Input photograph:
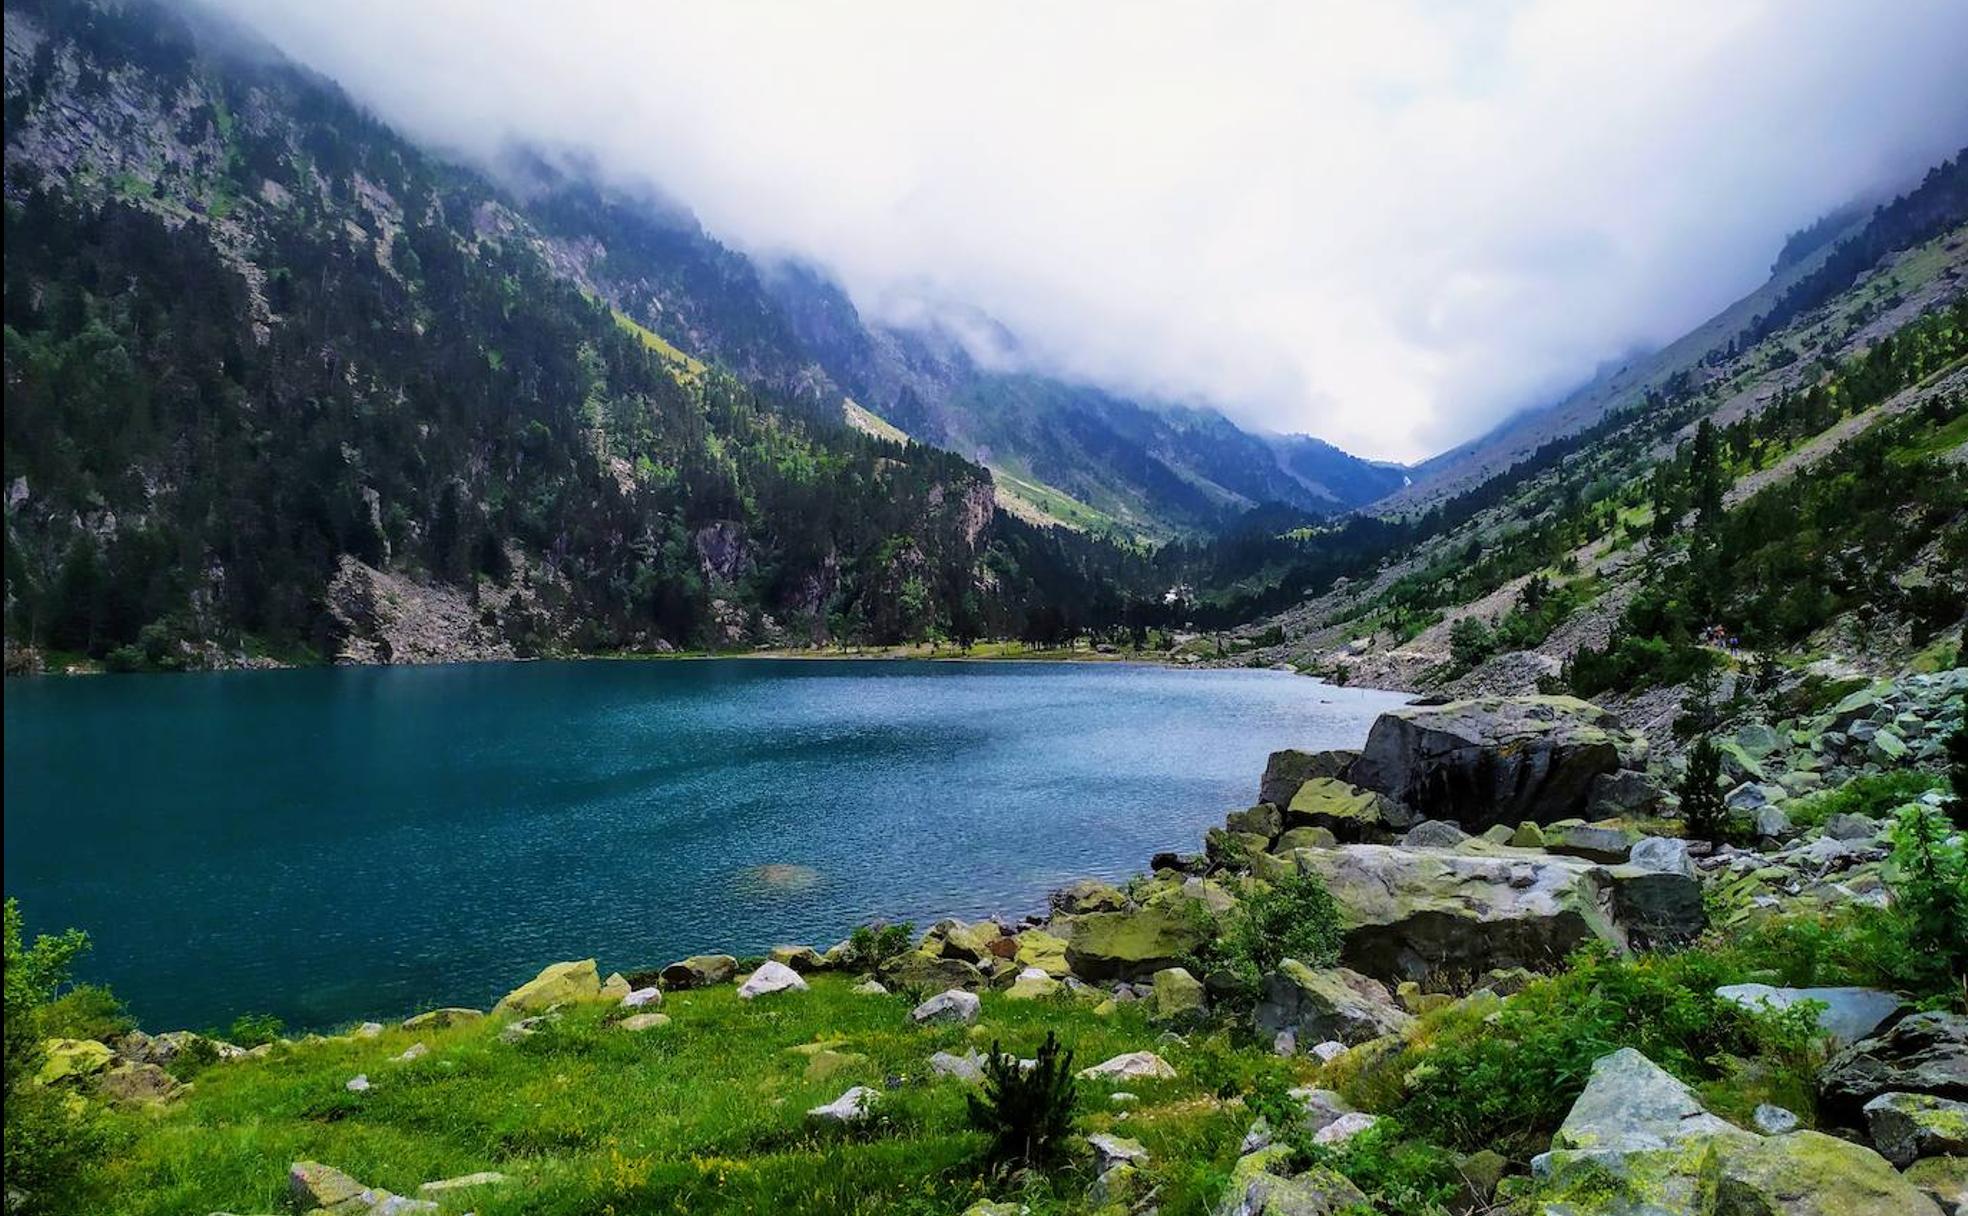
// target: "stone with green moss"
[[558, 984], [1304, 838], [1133, 944], [1045, 951], [64, 1059], [1178, 995], [1347, 811]]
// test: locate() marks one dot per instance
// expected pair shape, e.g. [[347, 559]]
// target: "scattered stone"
[[1047, 952], [1847, 826], [869, 988], [1328, 1049], [1145, 1065], [1178, 995], [416, 1051], [651, 996], [968, 1067], [441, 1019], [955, 1005], [1434, 834], [463, 1182], [358, 1084], [770, 977], [615, 987], [1942, 1179], [1594, 842], [1907, 1127], [1344, 1128], [555, 985], [916, 970], [854, 1106], [1110, 1150], [1089, 895], [643, 1021], [1773, 1120], [803, 959], [1662, 855], [368, 1030], [138, 1084], [1347, 811], [700, 971]]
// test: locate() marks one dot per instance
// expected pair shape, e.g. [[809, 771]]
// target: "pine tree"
[[1702, 807]]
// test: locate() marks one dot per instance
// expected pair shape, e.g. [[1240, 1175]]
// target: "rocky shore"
[[1468, 848]]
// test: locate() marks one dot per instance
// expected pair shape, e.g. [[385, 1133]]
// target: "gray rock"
[[1771, 823], [771, 977], [968, 1067], [1110, 1150], [1907, 1127], [1849, 1014], [1594, 842], [1289, 769], [855, 1106], [1751, 795], [1434, 834], [1631, 1104], [955, 1005], [1847, 826], [700, 971], [1132, 1065], [1662, 855], [1492, 759], [1623, 793], [1773, 1120], [1925, 1053], [1344, 1128], [1331, 1004]]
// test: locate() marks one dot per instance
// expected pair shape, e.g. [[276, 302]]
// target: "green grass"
[[1055, 505], [704, 1115], [865, 420], [688, 370]]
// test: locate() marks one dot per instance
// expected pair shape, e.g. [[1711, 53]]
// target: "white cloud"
[[1385, 224]]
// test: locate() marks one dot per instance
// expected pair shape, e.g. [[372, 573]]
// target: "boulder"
[[1344, 1128], [1773, 1120], [1811, 1174], [955, 1005], [66, 1059], [1410, 915], [1907, 1127], [1849, 1014], [968, 1067], [137, 1084], [1319, 1191], [1527, 836], [615, 987], [1924, 1053], [769, 978], [803, 959], [1943, 1180], [1089, 895], [1622, 793], [1304, 838], [556, 985], [1110, 1150], [1130, 1066], [1434, 834], [1261, 820], [1629, 1104], [1045, 951], [1334, 1004], [700, 971], [855, 1106], [1287, 770], [1132, 944], [1610, 843], [1654, 908], [1493, 759], [1347, 811], [1662, 855], [643, 1021], [440, 1019], [644, 998], [1178, 995], [916, 970], [1846, 826], [1753, 795], [979, 942], [1033, 985]]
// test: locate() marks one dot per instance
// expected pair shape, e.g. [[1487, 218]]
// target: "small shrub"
[[1294, 917], [254, 1029], [48, 1144], [872, 947], [1505, 1079], [1027, 1112], [86, 1011], [1876, 795], [1702, 805], [1929, 879], [1854, 944]]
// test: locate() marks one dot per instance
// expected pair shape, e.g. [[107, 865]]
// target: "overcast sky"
[[1386, 224]]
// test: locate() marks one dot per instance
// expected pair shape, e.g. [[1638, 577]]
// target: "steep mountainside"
[[1814, 266], [278, 382]]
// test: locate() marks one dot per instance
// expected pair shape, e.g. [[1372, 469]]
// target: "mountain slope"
[[278, 382]]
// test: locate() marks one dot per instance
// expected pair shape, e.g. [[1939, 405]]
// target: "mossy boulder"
[[1347, 811], [1304, 838], [1320, 1005], [700, 971], [1089, 895], [1178, 995], [1807, 1173], [916, 971], [558, 984], [1925, 1053], [1494, 759], [1289, 769], [1413, 915], [1263, 820], [1133, 944], [68, 1059], [1043, 950], [1907, 1127]]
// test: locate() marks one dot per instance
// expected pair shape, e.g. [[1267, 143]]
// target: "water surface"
[[335, 844]]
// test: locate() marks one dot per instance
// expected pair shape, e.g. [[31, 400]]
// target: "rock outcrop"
[[1494, 759]]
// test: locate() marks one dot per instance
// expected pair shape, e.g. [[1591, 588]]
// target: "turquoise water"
[[335, 844]]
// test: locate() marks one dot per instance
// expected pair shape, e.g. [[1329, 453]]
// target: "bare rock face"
[[1494, 760], [1926, 1053], [1289, 769]]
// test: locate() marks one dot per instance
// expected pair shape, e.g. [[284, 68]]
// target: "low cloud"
[[1387, 225]]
